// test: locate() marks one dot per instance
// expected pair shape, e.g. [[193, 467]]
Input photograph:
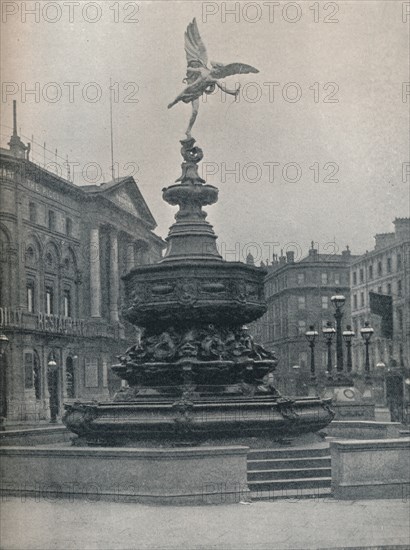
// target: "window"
[[379, 268], [325, 302], [362, 299], [105, 373], [68, 227], [49, 305], [30, 256], [32, 211], [301, 278], [301, 327], [67, 303], [355, 301], [388, 265], [361, 275], [28, 370], [379, 290], [400, 319], [51, 220], [70, 377], [30, 297], [354, 278], [388, 288], [324, 278], [370, 272], [399, 288], [337, 279], [303, 359], [355, 326], [398, 262], [301, 302], [37, 375]]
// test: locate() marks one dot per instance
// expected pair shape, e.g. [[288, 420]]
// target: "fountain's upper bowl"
[[194, 292], [180, 194]]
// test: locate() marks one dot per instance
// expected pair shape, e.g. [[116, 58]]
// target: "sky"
[[313, 149]]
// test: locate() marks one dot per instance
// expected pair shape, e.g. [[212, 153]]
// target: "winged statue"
[[200, 78]]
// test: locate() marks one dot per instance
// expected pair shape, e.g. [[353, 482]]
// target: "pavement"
[[29, 524]]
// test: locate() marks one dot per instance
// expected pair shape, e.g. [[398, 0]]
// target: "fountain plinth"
[[195, 374]]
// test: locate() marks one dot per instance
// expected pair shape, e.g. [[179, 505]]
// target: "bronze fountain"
[[195, 374]]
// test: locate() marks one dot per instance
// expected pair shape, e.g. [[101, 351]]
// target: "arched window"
[[49, 260], [32, 372], [70, 377], [30, 256]]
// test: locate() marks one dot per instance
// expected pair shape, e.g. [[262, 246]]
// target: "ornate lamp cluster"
[[347, 335]]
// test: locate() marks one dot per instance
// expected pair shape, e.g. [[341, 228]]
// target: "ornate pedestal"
[[195, 374]]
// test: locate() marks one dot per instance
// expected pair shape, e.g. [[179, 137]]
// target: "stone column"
[[130, 256], [114, 278], [95, 275]]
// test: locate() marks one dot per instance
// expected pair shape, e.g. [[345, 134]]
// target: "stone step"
[[286, 463], [269, 454], [293, 494], [285, 474], [285, 484]]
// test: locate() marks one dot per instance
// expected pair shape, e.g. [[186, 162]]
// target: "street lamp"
[[4, 341], [52, 388], [338, 301], [348, 336], [366, 333], [311, 336], [328, 333]]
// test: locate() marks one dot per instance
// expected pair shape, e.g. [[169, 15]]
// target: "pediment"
[[128, 197]]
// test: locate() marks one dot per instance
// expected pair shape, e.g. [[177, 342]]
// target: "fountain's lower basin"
[[185, 421]]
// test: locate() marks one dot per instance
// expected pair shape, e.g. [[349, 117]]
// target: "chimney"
[[384, 239], [346, 253], [17, 147], [402, 229], [282, 258], [313, 253], [250, 259], [290, 257]]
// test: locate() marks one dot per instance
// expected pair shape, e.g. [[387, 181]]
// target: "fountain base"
[[184, 421]]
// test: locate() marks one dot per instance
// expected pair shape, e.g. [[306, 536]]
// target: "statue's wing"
[[194, 47], [222, 71]]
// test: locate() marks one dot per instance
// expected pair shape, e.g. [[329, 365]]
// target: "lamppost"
[[338, 301], [328, 333], [4, 341], [366, 333], [348, 335], [311, 336], [52, 388]]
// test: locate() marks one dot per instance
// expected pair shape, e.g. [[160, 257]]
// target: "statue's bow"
[[199, 77]]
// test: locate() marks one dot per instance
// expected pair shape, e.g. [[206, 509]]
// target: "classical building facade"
[[383, 275], [298, 295], [64, 249]]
